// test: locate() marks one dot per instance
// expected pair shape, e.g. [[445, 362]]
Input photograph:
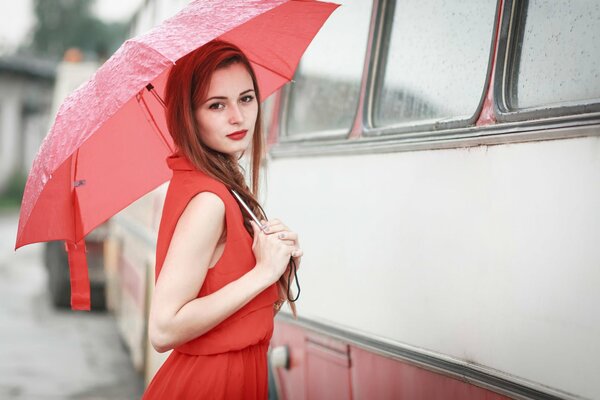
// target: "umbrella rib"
[[151, 120], [271, 69]]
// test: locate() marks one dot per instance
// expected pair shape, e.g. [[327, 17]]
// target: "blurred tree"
[[61, 24]]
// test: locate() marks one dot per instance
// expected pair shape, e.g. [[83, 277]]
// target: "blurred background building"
[[26, 84], [47, 49]]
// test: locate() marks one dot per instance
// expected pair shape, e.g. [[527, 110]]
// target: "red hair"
[[187, 87]]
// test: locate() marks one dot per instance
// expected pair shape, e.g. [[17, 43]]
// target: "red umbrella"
[[109, 141]]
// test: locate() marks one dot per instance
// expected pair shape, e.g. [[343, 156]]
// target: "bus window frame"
[[421, 128], [515, 14]]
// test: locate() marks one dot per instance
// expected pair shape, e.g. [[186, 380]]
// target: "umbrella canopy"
[[109, 141]]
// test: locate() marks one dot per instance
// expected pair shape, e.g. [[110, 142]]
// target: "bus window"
[[557, 54], [324, 96], [435, 61], [267, 112]]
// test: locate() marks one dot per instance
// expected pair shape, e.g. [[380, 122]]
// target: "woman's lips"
[[239, 135]]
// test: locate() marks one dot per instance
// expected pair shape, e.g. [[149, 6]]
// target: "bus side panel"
[[325, 368], [292, 380], [377, 377]]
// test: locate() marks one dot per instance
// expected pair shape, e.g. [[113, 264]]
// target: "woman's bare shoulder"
[[204, 211], [206, 200]]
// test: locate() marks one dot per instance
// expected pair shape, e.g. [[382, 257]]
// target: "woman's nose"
[[235, 116]]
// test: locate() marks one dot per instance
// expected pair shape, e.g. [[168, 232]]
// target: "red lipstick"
[[239, 135]]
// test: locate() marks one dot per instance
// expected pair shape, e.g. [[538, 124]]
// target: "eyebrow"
[[225, 98]]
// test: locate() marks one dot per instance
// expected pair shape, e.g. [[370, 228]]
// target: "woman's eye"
[[247, 99], [215, 106]]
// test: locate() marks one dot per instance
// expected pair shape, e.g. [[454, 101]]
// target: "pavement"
[[51, 354]]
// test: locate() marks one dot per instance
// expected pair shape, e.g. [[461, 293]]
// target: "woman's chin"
[[234, 148], [239, 151], [236, 152]]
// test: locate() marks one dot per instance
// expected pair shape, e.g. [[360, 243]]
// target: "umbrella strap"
[[80, 282], [293, 268]]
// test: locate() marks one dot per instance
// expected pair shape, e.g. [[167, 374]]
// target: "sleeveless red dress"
[[230, 360]]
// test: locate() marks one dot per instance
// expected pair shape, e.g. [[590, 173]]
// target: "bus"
[[441, 164]]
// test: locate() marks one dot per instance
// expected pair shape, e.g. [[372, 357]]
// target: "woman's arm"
[[176, 314]]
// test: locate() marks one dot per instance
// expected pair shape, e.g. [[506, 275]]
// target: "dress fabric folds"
[[230, 360]]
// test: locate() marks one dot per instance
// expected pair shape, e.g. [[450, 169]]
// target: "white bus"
[[441, 164]]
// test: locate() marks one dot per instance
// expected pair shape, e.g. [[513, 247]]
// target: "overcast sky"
[[17, 17]]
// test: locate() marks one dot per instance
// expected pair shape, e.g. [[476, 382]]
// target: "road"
[[48, 354]]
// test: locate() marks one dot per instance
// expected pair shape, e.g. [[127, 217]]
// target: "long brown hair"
[[187, 87]]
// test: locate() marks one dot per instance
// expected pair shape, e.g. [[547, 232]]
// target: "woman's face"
[[230, 106]]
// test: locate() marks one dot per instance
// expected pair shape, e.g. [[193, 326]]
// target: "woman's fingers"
[[282, 232], [297, 253], [278, 229], [273, 226], [291, 246], [285, 242], [287, 235]]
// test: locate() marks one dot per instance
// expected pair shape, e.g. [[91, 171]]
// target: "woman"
[[219, 278]]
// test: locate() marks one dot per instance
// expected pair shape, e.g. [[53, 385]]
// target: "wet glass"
[[267, 112], [437, 61], [559, 59], [324, 96]]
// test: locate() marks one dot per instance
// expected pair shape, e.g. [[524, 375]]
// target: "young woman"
[[220, 279]]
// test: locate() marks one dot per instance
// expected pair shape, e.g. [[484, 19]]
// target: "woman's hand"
[[284, 234], [272, 254]]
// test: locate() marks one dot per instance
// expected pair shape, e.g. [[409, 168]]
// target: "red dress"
[[230, 360]]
